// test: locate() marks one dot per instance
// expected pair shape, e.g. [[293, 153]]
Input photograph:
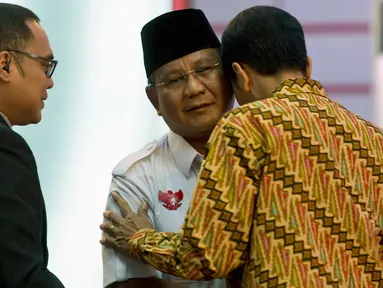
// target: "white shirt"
[[6, 119], [163, 167]]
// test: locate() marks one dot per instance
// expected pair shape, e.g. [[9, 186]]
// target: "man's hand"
[[120, 229]]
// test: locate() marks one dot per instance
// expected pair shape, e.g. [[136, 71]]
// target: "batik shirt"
[[289, 195]]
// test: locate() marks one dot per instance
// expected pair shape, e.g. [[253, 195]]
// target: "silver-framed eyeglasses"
[[203, 73]]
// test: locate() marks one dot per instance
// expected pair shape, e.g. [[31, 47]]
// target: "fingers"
[[113, 217], [122, 204], [109, 228], [108, 242], [114, 244], [143, 210]]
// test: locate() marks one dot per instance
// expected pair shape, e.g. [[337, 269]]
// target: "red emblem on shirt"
[[170, 200]]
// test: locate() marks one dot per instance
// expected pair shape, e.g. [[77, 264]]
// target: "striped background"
[[339, 39]]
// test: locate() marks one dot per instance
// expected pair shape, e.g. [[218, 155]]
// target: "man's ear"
[[151, 92], [309, 67], [5, 66], [242, 78]]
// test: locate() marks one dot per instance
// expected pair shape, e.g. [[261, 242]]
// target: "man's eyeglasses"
[[178, 82], [48, 64]]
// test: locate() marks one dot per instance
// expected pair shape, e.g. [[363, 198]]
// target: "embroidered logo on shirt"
[[170, 200]]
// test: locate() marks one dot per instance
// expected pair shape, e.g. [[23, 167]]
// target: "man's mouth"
[[199, 106]]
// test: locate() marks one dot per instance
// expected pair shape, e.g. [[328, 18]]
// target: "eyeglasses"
[[203, 73], [48, 64]]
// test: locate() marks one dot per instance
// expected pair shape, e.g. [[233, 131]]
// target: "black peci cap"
[[174, 35]]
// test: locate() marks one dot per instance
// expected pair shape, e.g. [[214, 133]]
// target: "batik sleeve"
[[214, 238]]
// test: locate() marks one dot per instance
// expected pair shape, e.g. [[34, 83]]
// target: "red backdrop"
[[180, 4]]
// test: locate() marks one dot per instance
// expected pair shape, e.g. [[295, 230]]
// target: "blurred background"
[[98, 112]]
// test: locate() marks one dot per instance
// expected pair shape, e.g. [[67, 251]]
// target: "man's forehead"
[[35, 28], [40, 44], [201, 55]]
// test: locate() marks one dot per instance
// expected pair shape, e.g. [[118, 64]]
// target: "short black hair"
[[14, 32], [266, 38]]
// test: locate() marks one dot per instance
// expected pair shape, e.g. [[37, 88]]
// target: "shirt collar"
[[305, 85], [184, 154], [6, 119]]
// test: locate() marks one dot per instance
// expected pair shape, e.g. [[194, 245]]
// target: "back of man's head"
[[14, 32], [267, 39]]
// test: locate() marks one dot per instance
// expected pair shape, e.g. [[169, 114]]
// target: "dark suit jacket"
[[23, 226]]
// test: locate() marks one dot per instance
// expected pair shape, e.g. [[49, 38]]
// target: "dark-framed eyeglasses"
[[203, 73], [48, 64]]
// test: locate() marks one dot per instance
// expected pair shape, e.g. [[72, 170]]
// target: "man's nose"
[[50, 83], [194, 86]]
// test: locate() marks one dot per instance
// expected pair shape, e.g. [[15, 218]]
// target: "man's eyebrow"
[[170, 71], [205, 60]]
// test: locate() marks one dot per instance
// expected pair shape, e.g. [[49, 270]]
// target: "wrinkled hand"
[[119, 229]]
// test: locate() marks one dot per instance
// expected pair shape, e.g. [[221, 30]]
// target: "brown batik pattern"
[[290, 193]]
